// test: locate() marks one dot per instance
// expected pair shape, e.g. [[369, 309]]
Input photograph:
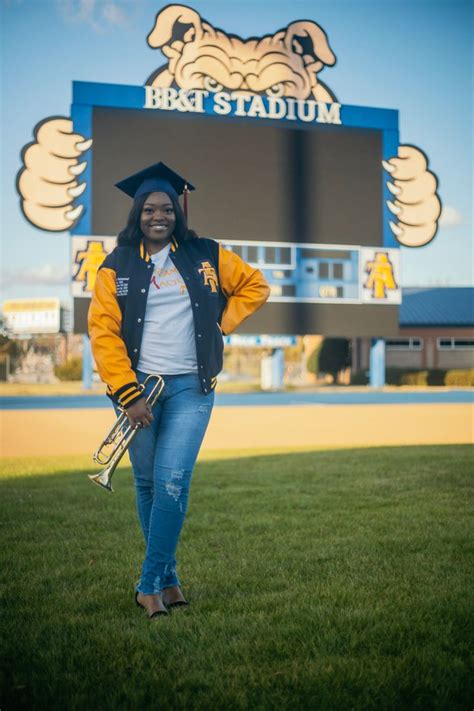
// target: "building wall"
[[430, 356], [404, 359], [456, 359]]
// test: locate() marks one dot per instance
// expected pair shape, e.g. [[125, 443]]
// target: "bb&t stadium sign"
[[222, 103]]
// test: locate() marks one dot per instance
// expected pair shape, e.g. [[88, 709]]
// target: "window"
[[270, 255], [264, 256], [331, 270], [323, 270], [235, 248], [252, 254], [454, 344], [404, 344]]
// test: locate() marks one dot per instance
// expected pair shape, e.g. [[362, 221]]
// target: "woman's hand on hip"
[[139, 414]]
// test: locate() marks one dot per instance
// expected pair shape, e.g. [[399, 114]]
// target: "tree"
[[334, 356], [9, 351], [312, 363]]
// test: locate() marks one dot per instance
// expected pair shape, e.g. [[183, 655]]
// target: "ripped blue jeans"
[[163, 456]]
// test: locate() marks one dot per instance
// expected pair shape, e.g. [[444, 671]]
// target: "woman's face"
[[157, 219]]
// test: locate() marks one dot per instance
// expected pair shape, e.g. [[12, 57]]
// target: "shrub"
[[415, 377], [361, 377], [312, 363], [460, 377], [422, 378], [70, 370], [437, 376]]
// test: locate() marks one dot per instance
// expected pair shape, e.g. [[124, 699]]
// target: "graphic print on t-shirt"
[[167, 279], [168, 343]]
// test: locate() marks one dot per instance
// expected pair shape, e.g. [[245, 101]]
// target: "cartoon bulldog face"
[[285, 64], [201, 57]]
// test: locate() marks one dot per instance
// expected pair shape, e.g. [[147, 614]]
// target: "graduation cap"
[[156, 178]]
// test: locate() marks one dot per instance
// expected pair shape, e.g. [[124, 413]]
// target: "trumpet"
[[115, 444]]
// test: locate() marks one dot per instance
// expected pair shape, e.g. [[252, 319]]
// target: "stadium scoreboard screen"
[[305, 203]]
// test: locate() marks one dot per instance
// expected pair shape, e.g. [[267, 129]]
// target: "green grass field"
[[317, 580]]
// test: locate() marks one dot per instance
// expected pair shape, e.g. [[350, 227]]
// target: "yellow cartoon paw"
[[49, 181], [415, 203]]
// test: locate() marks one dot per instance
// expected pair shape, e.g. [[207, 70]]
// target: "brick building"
[[436, 331]]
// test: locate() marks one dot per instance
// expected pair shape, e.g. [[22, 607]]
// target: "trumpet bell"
[[102, 479]]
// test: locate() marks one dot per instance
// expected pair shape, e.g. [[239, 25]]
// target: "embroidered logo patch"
[[122, 286], [209, 276]]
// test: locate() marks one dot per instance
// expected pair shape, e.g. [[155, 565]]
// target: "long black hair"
[[131, 235]]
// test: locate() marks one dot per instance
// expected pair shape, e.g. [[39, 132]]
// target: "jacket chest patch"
[[207, 276], [122, 286]]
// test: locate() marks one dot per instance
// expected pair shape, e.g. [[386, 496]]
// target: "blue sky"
[[412, 55]]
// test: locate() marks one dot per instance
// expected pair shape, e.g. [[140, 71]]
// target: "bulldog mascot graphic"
[[285, 64]]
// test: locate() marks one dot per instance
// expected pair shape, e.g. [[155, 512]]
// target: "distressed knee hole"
[[173, 488]]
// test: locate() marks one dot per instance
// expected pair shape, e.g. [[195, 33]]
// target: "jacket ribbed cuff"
[[128, 394]]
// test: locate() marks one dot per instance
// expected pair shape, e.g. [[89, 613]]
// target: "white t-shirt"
[[168, 345]]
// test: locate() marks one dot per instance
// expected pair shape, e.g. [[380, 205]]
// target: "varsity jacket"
[[223, 290]]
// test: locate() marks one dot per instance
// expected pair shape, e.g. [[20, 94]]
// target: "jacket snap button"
[[199, 335], [143, 291], [201, 366], [196, 304], [139, 320], [135, 350]]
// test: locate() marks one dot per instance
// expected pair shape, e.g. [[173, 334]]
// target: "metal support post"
[[86, 362], [377, 363]]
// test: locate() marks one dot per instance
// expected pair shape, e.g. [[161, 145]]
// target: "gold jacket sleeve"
[[108, 347], [245, 288]]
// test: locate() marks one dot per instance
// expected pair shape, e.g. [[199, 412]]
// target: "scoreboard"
[[304, 202]]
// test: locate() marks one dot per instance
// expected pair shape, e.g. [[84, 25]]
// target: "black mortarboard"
[[155, 178]]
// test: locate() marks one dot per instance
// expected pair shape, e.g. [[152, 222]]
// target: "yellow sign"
[[32, 316], [380, 275], [22, 305], [89, 261]]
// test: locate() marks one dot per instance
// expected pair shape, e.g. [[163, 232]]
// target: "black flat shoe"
[[179, 603], [155, 614]]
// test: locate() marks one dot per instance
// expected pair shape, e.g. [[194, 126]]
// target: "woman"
[[161, 303]]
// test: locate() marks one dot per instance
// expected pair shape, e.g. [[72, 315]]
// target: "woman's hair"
[[131, 235]]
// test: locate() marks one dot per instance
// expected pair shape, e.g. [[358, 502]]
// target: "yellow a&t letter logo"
[[380, 275], [89, 261], [209, 276]]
